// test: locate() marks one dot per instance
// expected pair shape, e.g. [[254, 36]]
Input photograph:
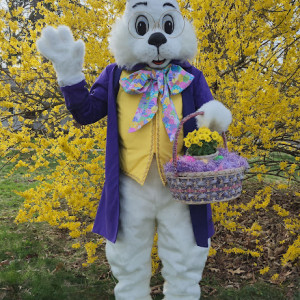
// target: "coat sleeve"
[[202, 93], [86, 106]]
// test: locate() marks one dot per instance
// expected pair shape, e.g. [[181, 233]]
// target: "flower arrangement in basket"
[[206, 174], [203, 143]]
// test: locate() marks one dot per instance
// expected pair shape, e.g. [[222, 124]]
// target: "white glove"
[[67, 56], [216, 116]]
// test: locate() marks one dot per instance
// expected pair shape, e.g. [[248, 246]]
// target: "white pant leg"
[[130, 256], [183, 261]]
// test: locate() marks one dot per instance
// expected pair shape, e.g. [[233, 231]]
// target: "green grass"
[[255, 291], [34, 263], [273, 169], [37, 261], [259, 291]]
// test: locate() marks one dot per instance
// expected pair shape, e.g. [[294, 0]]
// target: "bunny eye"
[[141, 25], [168, 24]]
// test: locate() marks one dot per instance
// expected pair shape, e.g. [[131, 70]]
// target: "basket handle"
[[187, 118]]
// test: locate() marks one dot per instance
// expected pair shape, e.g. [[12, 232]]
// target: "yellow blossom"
[[212, 251], [275, 277], [264, 270], [76, 246]]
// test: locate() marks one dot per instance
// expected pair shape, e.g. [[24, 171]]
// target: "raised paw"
[[59, 45], [66, 54]]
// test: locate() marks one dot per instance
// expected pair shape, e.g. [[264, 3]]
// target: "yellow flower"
[[281, 211], [275, 277], [215, 136], [188, 144], [76, 246], [201, 136], [204, 130], [212, 251], [264, 270], [283, 165], [220, 140], [207, 138], [189, 135], [195, 140]]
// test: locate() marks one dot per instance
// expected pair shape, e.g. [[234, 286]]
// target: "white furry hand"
[[216, 116], [66, 54]]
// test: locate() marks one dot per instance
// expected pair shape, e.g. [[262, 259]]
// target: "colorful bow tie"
[[171, 80]]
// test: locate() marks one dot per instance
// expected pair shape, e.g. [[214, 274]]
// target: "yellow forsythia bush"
[[249, 53]]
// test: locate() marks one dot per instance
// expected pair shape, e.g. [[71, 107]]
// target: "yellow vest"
[[137, 148]]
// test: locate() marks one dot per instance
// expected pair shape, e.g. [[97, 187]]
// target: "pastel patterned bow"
[[171, 80]]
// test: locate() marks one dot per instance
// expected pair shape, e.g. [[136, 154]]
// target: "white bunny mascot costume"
[[145, 94]]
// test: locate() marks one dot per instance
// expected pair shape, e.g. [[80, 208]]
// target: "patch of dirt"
[[235, 270]]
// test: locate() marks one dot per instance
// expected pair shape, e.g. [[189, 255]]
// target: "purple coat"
[[89, 107]]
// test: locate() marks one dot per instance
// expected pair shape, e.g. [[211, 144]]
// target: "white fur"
[[216, 116], [67, 55], [141, 207], [129, 50]]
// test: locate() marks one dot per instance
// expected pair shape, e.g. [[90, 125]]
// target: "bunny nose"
[[157, 39]]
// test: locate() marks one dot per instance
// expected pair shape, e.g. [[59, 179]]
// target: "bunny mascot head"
[[154, 33], [145, 94]]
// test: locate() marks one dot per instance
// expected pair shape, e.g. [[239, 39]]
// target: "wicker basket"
[[203, 187]]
